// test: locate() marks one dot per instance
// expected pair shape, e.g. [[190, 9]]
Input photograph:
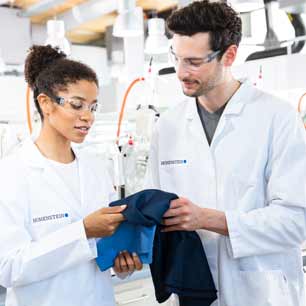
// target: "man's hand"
[[183, 215], [103, 222], [125, 262]]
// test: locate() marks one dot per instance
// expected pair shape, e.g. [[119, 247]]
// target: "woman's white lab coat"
[[45, 257], [254, 171]]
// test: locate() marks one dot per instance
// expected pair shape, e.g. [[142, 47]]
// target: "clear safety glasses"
[[192, 63], [76, 105]]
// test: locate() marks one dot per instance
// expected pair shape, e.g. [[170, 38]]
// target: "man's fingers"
[[179, 202], [173, 212], [169, 213], [171, 228], [176, 203], [137, 261], [113, 210], [172, 221]]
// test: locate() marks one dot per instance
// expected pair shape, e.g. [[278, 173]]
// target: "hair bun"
[[38, 59]]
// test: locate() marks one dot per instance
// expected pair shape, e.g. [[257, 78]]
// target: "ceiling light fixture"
[[156, 42], [129, 22], [56, 36]]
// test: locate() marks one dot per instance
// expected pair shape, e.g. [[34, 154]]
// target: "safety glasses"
[[192, 63], [76, 105]]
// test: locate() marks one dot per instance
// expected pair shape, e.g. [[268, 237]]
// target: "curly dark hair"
[[216, 18], [47, 70]]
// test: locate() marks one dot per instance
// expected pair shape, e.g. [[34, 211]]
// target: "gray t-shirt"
[[209, 120]]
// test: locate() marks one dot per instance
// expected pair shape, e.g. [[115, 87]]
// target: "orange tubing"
[[123, 105], [300, 105], [28, 110]]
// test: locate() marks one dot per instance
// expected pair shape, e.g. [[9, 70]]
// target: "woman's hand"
[[126, 262], [103, 222]]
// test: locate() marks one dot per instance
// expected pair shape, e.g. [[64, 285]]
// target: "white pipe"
[[126, 5]]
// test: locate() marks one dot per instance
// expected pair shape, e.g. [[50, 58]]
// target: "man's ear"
[[229, 56]]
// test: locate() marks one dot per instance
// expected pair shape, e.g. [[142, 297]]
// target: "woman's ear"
[[45, 104]]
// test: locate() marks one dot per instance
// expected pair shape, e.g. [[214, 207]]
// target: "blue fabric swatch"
[[144, 211]]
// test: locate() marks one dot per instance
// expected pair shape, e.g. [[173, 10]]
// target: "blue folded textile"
[[144, 211], [177, 259]]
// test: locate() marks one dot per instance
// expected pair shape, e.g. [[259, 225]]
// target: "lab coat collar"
[[35, 159], [235, 104], [240, 98]]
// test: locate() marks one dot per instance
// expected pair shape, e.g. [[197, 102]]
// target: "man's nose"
[[181, 70]]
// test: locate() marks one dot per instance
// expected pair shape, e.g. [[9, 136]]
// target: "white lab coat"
[[254, 171], [49, 261]]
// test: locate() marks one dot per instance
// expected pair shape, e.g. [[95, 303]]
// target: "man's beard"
[[202, 90], [205, 88]]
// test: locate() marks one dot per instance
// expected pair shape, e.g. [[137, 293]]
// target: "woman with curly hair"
[[52, 196]]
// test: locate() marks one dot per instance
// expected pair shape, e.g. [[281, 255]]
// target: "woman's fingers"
[[126, 262], [129, 260], [123, 264], [137, 262], [117, 266]]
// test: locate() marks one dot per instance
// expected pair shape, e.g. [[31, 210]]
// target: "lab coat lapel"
[[194, 125], [49, 176], [224, 127], [233, 109], [87, 182]]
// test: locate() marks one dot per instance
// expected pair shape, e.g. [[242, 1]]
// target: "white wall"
[[15, 36], [13, 99], [283, 75]]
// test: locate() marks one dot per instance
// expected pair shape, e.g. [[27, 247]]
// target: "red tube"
[[123, 105]]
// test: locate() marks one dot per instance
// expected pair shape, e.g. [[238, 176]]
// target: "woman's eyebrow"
[[78, 97], [83, 99]]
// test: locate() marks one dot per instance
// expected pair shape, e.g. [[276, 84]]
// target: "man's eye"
[[196, 63]]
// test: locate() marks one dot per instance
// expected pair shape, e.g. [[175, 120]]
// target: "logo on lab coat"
[[173, 162], [51, 217]]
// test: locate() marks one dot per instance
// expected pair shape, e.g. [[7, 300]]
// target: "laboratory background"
[[126, 43]]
